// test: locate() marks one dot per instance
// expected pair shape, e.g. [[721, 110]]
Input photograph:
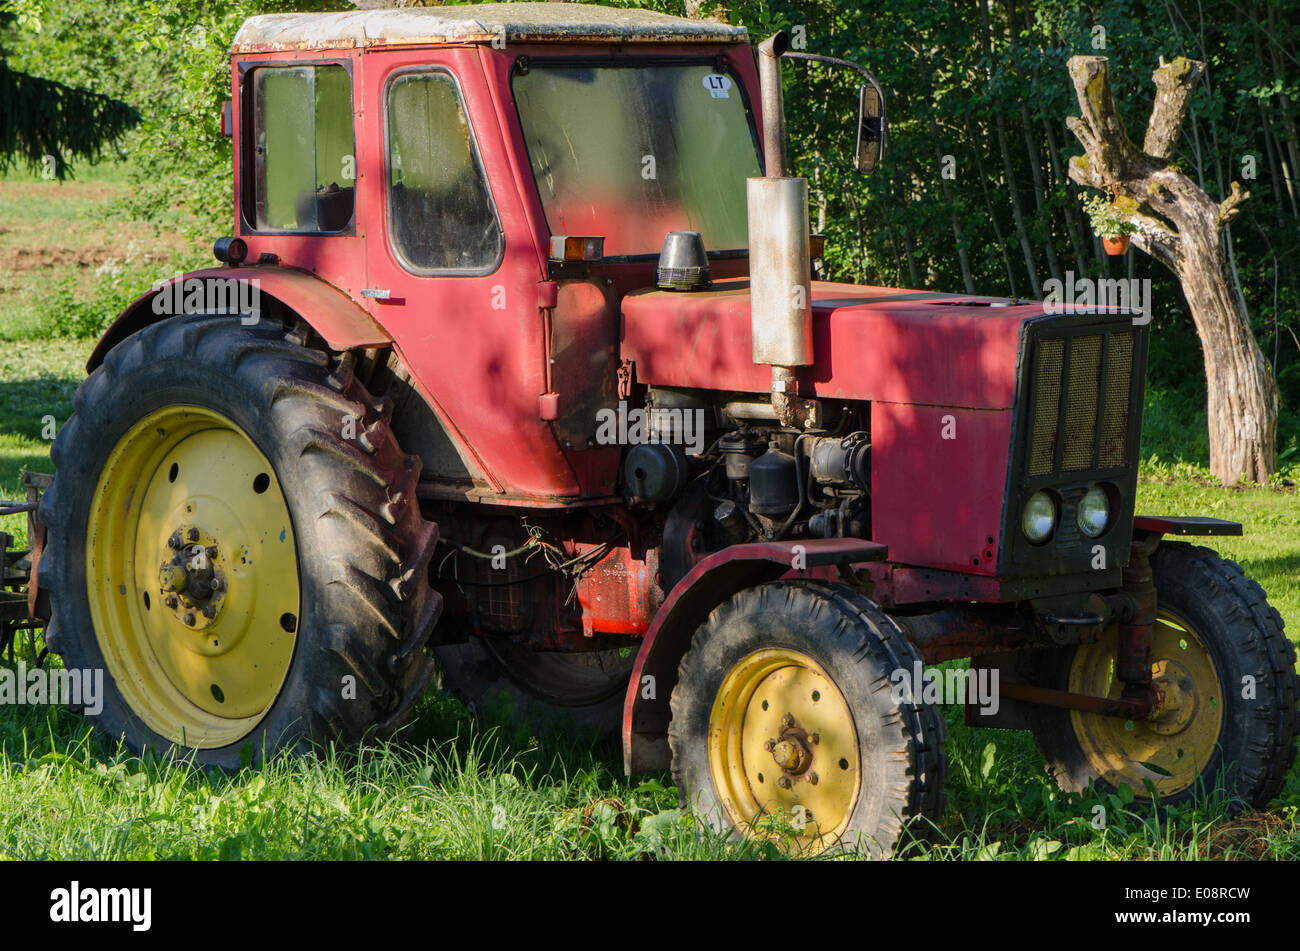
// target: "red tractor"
[[514, 374]]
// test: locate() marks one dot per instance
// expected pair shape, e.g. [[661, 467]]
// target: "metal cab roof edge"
[[477, 23]]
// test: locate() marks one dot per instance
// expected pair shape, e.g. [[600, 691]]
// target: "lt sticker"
[[718, 85]]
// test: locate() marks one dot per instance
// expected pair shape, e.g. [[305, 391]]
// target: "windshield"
[[633, 152]]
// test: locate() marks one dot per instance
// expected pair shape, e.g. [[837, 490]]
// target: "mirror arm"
[[836, 61]]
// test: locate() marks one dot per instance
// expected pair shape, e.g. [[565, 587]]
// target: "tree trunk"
[[1040, 193], [1180, 225], [963, 259]]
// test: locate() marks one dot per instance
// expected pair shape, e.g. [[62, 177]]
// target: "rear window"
[[303, 150]]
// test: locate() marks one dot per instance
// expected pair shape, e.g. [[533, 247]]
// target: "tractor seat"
[[328, 208]]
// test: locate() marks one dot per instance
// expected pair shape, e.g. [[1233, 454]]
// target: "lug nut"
[[218, 583], [787, 721], [209, 611], [769, 745], [189, 618], [212, 552], [171, 601], [175, 540], [192, 534], [784, 782], [814, 738], [812, 777]]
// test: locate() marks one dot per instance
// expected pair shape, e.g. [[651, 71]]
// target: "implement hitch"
[[1134, 607], [22, 607]]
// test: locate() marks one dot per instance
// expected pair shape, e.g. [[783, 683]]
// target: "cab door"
[[453, 272]]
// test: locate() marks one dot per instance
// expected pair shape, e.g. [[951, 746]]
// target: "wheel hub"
[[783, 749], [792, 752], [192, 581], [1177, 698]]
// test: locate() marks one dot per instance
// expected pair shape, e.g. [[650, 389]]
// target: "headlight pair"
[[1038, 519]]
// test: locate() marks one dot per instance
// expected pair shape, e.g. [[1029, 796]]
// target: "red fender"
[[331, 313], [711, 582]]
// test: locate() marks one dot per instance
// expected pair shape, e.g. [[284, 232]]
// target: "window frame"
[[405, 263], [248, 146], [721, 63]]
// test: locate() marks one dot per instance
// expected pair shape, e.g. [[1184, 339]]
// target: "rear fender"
[[342, 322]]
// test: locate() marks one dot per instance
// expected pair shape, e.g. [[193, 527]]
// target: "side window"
[[304, 154], [440, 211]]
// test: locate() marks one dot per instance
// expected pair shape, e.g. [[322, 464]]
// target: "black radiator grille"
[[1080, 396]]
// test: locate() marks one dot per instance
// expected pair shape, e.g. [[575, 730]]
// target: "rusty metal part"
[[792, 410], [962, 632], [38, 601], [965, 631], [780, 269], [1133, 660], [190, 581], [512, 23], [1127, 708], [773, 106]]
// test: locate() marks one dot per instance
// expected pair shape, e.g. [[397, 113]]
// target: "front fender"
[[342, 322], [711, 582]]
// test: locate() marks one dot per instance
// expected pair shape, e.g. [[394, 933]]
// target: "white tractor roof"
[[478, 23]]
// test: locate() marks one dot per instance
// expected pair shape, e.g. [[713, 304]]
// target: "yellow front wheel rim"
[[192, 576], [783, 749], [1171, 748]]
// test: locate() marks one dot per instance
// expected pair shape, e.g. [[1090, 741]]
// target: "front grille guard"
[[1077, 420]]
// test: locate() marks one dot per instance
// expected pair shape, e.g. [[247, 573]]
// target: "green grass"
[[454, 786], [73, 259]]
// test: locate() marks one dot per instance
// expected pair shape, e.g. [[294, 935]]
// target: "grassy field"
[[457, 786]]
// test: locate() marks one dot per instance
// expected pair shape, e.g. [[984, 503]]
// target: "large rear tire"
[[1228, 674], [786, 724], [233, 536]]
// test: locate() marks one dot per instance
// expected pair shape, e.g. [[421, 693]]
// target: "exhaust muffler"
[[780, 267]]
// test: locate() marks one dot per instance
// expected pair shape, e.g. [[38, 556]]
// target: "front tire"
[[787, 726], [233, 536], [1220, 653]]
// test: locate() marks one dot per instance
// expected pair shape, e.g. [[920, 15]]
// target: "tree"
[[1180, 225], [43, 121]]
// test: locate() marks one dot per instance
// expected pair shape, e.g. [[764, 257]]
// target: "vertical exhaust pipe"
[[780, 269]]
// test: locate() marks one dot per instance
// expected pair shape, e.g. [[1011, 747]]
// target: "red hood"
[[871, 343]]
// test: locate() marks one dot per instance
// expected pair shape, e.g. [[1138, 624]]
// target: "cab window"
[[303, 149], [440, 210]]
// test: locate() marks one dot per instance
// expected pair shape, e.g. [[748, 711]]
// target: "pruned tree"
[[1181, 226]]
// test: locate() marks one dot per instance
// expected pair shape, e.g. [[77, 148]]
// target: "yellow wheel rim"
[[783, 750], [192, 576], [1174, 745]]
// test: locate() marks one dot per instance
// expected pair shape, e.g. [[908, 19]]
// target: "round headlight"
[[1039, 517], [1094, 512]]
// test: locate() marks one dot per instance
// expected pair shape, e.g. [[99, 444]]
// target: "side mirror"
[[871, 129]]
